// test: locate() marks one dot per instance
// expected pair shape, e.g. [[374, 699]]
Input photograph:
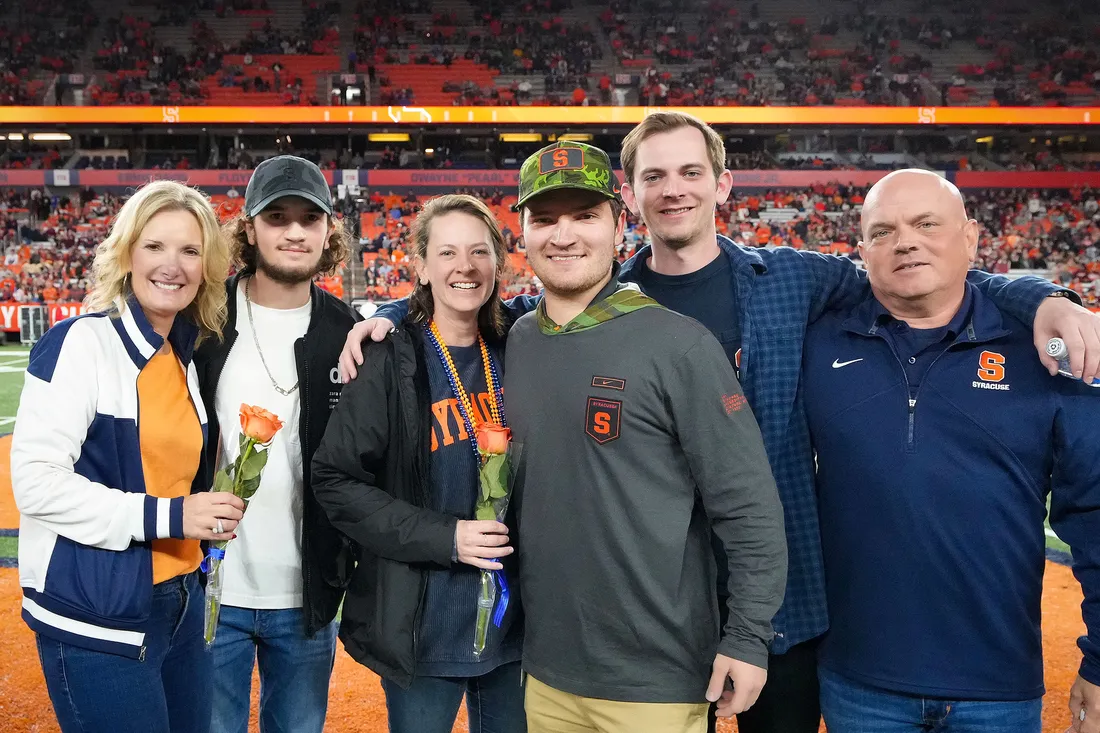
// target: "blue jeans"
[[294, 671], [851, 707], [494, 703], [167, 692]]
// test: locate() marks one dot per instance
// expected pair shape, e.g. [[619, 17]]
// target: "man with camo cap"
[[636, 442]]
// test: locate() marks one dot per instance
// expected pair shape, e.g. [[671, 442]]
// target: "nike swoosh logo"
[[837, 363]]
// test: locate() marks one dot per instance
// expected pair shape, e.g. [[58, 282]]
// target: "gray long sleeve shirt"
[[636, 439]]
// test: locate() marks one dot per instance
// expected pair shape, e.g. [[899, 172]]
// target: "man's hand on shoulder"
[[351, 357], [1078, 327]]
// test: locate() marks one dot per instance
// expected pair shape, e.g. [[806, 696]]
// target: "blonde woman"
[[108, 445]]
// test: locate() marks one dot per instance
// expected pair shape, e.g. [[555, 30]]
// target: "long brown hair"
[[490, 319]]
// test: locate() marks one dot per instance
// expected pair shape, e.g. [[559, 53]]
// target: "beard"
[[574, 283], [285, 275]]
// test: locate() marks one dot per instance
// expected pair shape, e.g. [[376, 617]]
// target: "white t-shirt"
[[263, 566]]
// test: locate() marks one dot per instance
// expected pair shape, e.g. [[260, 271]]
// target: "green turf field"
[[13, 360]]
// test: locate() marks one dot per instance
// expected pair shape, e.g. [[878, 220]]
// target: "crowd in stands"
[[1055, 231], [48, 244], [1041, 230], [48, 241], [685, 54], [714, 53], [45, 35], [142, 70]]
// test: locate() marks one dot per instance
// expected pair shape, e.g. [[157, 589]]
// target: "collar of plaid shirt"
[[623, 298]]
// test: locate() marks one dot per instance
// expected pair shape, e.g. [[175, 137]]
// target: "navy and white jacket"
[[85, 560], [932, 499]]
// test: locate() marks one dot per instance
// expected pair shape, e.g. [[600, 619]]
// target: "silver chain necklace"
[[256, 339]]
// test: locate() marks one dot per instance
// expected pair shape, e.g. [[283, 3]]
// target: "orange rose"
[[492, 438], [259, 424]]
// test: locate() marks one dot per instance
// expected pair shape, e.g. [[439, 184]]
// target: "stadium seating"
[[1056, 233], [721, 53]]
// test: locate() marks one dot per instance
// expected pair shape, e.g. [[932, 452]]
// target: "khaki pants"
[[553, 711]]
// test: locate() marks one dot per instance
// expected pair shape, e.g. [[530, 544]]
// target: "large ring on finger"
[[219, 529]]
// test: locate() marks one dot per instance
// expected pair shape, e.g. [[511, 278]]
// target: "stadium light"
[[388, 137], [429, 151], [580, 137], [15, 136], [50, 137], [521, 137]]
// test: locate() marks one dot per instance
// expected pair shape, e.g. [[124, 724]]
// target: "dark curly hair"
[[332, 259]]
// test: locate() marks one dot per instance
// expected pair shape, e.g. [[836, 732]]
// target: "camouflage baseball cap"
[[566, 164]]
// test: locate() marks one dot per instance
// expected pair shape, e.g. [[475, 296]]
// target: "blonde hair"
[[111, 268], [490, 318], [658, 122]]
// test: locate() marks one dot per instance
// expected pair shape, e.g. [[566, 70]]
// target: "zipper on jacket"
[[141, 654], [420, 473], [913, 400], [911, 431], [911, 423], [912, 416], [303, 382]]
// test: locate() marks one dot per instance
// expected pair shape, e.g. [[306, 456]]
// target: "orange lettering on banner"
[[61, 311], [9, 312]]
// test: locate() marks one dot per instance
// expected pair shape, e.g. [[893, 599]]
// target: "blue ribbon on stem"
[[216, 553], [502, 604]]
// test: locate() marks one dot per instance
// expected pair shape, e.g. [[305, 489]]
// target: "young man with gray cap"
[[617, 571], [284, 573]]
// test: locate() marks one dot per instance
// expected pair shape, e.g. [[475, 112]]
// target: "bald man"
[[939, 438]]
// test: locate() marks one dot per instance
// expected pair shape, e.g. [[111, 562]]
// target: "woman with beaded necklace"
[[397, 473]]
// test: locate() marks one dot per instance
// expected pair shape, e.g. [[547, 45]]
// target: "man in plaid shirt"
[[758, 302]]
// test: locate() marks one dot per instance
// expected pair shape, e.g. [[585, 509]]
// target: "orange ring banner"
[[564, 116]]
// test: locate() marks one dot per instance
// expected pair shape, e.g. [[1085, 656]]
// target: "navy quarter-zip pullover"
[[932, 498]]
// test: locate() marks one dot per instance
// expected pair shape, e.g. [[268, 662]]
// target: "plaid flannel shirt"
[[780, 291]]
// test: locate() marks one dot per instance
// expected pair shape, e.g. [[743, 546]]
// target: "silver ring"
[[219, 529]]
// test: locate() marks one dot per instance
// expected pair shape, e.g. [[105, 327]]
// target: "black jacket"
[[371, 476], [326, 555]]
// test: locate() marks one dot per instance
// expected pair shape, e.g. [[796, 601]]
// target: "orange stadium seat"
[[426, 81]]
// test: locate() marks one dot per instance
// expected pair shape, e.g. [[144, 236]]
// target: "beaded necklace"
[[496, 398]]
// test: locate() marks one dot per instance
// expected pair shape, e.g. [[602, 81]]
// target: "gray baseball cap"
[[286, 175]]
